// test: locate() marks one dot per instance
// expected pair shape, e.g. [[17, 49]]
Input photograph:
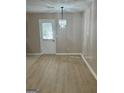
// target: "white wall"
[[89, 40], [68, 41]]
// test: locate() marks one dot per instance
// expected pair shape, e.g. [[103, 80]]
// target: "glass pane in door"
[[47, 31]]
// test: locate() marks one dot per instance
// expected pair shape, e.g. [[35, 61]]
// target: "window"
[[47, 31]]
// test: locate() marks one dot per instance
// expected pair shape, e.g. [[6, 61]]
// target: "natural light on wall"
[[62, 23]]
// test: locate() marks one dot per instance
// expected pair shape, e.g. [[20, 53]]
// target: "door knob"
[[53, 40]]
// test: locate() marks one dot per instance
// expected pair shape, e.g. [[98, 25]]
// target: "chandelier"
[[62, 22]]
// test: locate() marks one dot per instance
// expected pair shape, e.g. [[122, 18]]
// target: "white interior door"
[[47, 36]]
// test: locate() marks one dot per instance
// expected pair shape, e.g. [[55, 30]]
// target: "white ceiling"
[[52, 6]]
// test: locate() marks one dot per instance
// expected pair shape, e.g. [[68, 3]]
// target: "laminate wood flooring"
[[59, 74]]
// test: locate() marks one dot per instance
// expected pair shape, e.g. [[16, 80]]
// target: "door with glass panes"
[[47, 36]]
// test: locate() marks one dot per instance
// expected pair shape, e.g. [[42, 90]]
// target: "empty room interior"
[[61, 46]]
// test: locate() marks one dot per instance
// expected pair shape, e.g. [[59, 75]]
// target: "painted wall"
[[89, 38], [68, 41]]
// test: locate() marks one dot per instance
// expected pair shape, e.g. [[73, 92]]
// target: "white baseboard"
[[68, 53], [89, 67], [35, 54], [55, 53]]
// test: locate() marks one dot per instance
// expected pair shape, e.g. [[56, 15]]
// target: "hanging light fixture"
[[62, 22]]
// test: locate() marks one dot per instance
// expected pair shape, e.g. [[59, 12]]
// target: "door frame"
[[40, 31]]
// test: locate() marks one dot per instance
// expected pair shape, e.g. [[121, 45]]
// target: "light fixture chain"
[[62, 11]]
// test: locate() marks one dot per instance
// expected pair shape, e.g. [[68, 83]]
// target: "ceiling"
[[53, 6]]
